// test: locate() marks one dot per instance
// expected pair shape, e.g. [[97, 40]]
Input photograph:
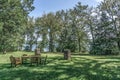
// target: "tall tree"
[[82, 35], [112, 8], [104, 37], [42, 32], [30, 30], [13, 19]]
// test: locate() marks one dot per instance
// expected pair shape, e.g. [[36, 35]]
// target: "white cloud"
[[98, 0]]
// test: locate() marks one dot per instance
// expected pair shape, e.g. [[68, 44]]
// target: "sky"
[[46, 6]]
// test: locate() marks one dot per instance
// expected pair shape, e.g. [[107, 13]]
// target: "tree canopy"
[[13, 19], [81, 28]]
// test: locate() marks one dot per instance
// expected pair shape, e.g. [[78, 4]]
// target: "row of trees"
[[81, 28], [13, 19], [60, 30], [106, 29]]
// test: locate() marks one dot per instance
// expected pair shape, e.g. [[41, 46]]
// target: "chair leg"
[[37, 63], [45, 60], [39, 60], [11, 64]]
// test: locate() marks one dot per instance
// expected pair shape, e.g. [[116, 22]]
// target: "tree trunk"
[[3, 47], [51, 46], [119, 45], [30, 47], [37, 41], [79, 44], [4, 51]]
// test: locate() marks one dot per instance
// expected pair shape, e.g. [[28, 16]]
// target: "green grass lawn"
[[81, 67]]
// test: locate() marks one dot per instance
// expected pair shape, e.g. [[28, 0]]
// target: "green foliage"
[[12, 23], [81, 67], [105, 32], [29, 33], [79, 29]]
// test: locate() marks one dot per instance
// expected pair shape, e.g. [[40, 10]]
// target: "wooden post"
[[67, 54]]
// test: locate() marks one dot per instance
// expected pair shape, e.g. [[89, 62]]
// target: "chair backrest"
[[12, 59], [37, 51]]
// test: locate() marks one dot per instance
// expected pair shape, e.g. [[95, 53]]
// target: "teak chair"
[[35, 59], [15, 61]]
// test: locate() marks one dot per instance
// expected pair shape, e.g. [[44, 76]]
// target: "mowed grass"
[[81, 67]]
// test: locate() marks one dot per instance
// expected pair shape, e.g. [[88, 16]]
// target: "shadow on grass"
[[81, 54], [80, 68], [110, 57]]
